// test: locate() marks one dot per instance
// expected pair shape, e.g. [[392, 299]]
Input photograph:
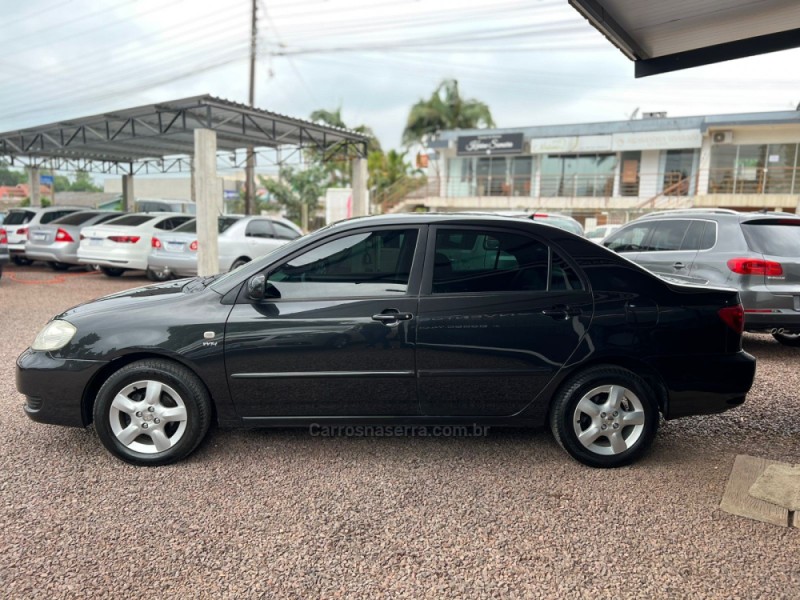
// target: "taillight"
[[22, 231], [755, 266], [63, 236], [733, 317], [155, 243], [124, 239], [3, 237], [193, 246]]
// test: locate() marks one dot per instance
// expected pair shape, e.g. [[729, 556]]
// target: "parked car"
[[756, 253], [19, 220], [3, 250], [564, 222], [123, 243], [398, 319], [165, 205], [598, 234], [2, 216], [57, 242], [240, 241]]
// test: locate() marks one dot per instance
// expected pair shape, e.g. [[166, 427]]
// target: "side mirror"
[[256, 287]]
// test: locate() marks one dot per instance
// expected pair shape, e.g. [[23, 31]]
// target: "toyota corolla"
[[412, 319]]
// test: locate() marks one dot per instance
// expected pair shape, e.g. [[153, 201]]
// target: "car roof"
[[436, 218]]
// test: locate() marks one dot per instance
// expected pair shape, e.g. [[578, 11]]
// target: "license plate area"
[[95, 241]]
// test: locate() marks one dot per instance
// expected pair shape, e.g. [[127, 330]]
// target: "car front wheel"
[[605, 417], [152, 412]]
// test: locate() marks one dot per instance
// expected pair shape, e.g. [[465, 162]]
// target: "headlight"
[[56, 334]]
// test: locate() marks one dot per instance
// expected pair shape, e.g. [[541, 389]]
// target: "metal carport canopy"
[[669, 35], [154, 137]]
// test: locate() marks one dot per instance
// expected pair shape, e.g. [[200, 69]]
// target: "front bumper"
[[54, 387], [701, 385]]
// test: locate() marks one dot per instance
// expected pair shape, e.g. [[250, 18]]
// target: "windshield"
[[773, 238]]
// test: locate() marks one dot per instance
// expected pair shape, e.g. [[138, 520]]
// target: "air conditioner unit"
[[722, 137]]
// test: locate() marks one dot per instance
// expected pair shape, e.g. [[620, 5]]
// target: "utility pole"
[[249, 189]]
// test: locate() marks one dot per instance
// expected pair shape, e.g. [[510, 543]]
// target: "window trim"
[[414, 279], [426, 286]]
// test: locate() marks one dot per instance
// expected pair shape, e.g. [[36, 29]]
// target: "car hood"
[[146, 297]]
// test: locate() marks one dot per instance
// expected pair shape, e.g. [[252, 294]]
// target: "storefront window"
[[521, 170], [753, 169], [491, 176], [678, 173], [578, 175], [629, 173]]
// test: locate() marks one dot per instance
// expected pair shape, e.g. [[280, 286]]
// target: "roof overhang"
[[671, 35], [159, 136]]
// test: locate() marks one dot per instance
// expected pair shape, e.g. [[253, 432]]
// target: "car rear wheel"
[[152, 412], [154, 275], [112, 271], [21, 261], [605, 417], [59, 266], [788, 339]]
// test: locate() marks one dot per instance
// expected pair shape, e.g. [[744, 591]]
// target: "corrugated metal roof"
[[693, 32], [155, 131]]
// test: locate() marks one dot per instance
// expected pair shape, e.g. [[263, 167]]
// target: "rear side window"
[[469, 261], [284, 232], [18, 217], [259, 228], [223, 224], [77, 218], [668, 236], [701, 235], [132, 220], [773, 237]]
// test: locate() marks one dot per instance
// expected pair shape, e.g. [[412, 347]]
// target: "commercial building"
[[613, 171]]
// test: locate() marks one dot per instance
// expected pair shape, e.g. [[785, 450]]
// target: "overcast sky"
[[534, 62]]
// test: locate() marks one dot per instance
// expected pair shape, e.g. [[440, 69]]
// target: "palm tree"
[[337, 159], [445, 109]]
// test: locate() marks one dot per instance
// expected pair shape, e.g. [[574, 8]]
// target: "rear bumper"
[[110, 260], [58, 252], [54, 387], [701, 385], [181, 266], [785, 319], [17, 249]]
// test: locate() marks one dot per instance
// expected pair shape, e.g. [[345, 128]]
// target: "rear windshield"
[[18, 217], [76, 218], [781, 238], [132, 220], [191, 226]]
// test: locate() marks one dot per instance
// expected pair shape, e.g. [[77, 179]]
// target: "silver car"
[[19, 220], [3, 249], [758, 253], [241, 239], [57, 242]]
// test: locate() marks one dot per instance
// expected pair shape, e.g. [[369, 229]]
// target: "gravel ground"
[[284, 514]]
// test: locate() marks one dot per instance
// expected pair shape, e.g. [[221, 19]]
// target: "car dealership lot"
[[298, 515]]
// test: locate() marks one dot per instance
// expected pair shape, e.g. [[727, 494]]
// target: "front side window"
[[376, 263], [630, 239], [469, 261], [668, 236]]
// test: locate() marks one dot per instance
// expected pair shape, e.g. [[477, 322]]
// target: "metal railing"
[[753, 180]]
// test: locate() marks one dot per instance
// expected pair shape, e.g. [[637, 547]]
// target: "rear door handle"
[[390, 318], [679, 265], [561, 312]]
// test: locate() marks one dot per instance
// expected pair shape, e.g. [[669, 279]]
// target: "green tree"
[[83, 183], [445, 109], [296, 187], [11, 177], [337, 159], [386, 169]]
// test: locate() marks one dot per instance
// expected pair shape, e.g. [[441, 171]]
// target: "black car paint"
[[280, 362]]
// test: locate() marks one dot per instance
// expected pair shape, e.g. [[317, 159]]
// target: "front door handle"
[[679, 265], [561, 312], [390, 318]]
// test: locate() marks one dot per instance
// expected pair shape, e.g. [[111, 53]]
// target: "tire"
[[126, 426], [239, 262], [112, 271], [59, 266], [21, 261], [603, 399], [157, 275], [788, 339]]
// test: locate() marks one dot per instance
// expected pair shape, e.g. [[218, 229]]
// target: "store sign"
[[657, 140], [501, 143], [571, 144]]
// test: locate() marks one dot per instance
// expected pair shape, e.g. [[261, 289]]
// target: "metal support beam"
[[208, 200]]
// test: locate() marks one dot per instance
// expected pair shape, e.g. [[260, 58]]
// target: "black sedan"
[[405, 319]]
